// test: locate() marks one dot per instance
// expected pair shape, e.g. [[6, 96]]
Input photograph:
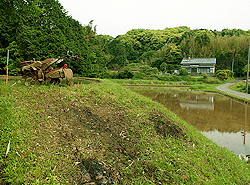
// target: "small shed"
[[199, 65]]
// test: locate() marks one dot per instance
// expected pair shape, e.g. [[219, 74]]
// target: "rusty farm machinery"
[[41, 71]]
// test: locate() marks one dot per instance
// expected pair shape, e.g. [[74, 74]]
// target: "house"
[[199, 65]]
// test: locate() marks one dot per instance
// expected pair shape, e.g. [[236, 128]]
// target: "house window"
[[204, 70], [194, 70]]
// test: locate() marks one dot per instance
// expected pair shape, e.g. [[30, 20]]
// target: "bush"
[[108, 74], [138, 75], [169, 78], [222, 75], [163, 77], [243, 88], [148, 70], [125, 74], [205, 75], [183, 72]]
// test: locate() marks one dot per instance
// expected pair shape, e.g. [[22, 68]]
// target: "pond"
[[219, 118]]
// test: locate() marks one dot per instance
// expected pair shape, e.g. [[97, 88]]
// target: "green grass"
[[209, 85], [204, 87], [137, 141], [239, 86], [174, 81], [192, 83]]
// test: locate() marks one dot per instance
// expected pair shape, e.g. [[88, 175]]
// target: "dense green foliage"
[[42, 29], [224, 74], [166, 48]]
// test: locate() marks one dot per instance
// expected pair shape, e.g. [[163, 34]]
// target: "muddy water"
[[223, 120]]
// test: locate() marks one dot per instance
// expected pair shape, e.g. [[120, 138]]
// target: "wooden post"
[[247, 69], [233, 65], [7, 67]]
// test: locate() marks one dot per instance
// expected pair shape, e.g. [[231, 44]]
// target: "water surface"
[[221, 119]]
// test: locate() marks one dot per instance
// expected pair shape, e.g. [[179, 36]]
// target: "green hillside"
[[99, 131]]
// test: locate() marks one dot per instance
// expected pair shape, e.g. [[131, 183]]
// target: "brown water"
[[221, 119]]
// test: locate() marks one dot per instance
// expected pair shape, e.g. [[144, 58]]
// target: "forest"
[[42, 29]]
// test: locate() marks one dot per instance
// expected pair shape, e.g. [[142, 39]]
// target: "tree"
[[163, 67], [48, 34], [125, 74]]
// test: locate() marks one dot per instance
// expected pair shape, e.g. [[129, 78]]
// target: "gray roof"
[[198, 61]]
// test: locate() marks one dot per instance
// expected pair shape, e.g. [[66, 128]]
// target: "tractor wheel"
[[70, 83], [27, 83]]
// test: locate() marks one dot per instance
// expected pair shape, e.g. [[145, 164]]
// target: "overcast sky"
[[116, 17]]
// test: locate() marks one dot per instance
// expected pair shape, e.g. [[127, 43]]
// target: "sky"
[[116, 17]]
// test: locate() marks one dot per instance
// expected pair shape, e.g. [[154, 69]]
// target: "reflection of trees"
[[227, 116]]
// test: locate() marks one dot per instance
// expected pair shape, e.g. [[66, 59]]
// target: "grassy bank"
[[61, 134], [188, 82], [239, 86]]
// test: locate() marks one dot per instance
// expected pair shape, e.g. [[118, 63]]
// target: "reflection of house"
[[199, 65], [198, 102]]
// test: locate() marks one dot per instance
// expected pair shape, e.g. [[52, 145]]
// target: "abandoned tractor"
[[41, 71]]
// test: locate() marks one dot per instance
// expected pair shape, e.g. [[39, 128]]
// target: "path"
[[224, 88]]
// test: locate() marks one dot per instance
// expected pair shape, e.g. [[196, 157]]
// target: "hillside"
[[99, 131]]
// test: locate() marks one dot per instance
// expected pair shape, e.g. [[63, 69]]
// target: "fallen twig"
[[54, 169], [18, 154], [8, 149], [130, 164]]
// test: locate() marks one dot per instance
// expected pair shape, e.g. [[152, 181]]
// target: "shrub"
[[125, 74], [148, 70], [243, 88], [224, 74], [163, 77], [108, 74], [221, 74], [229, 73], [205, 75], [138, 75], [183, 72]]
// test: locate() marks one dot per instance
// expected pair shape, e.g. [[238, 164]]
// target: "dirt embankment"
[[86, 131], [102, 133]]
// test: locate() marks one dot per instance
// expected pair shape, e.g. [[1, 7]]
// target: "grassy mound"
[[104, 133]]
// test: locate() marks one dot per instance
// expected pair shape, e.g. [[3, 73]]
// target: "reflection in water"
[[198, 102], [244, 131], [217, 117]]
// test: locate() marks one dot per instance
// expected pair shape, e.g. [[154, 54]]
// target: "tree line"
[[43, 29], [169, 46]]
